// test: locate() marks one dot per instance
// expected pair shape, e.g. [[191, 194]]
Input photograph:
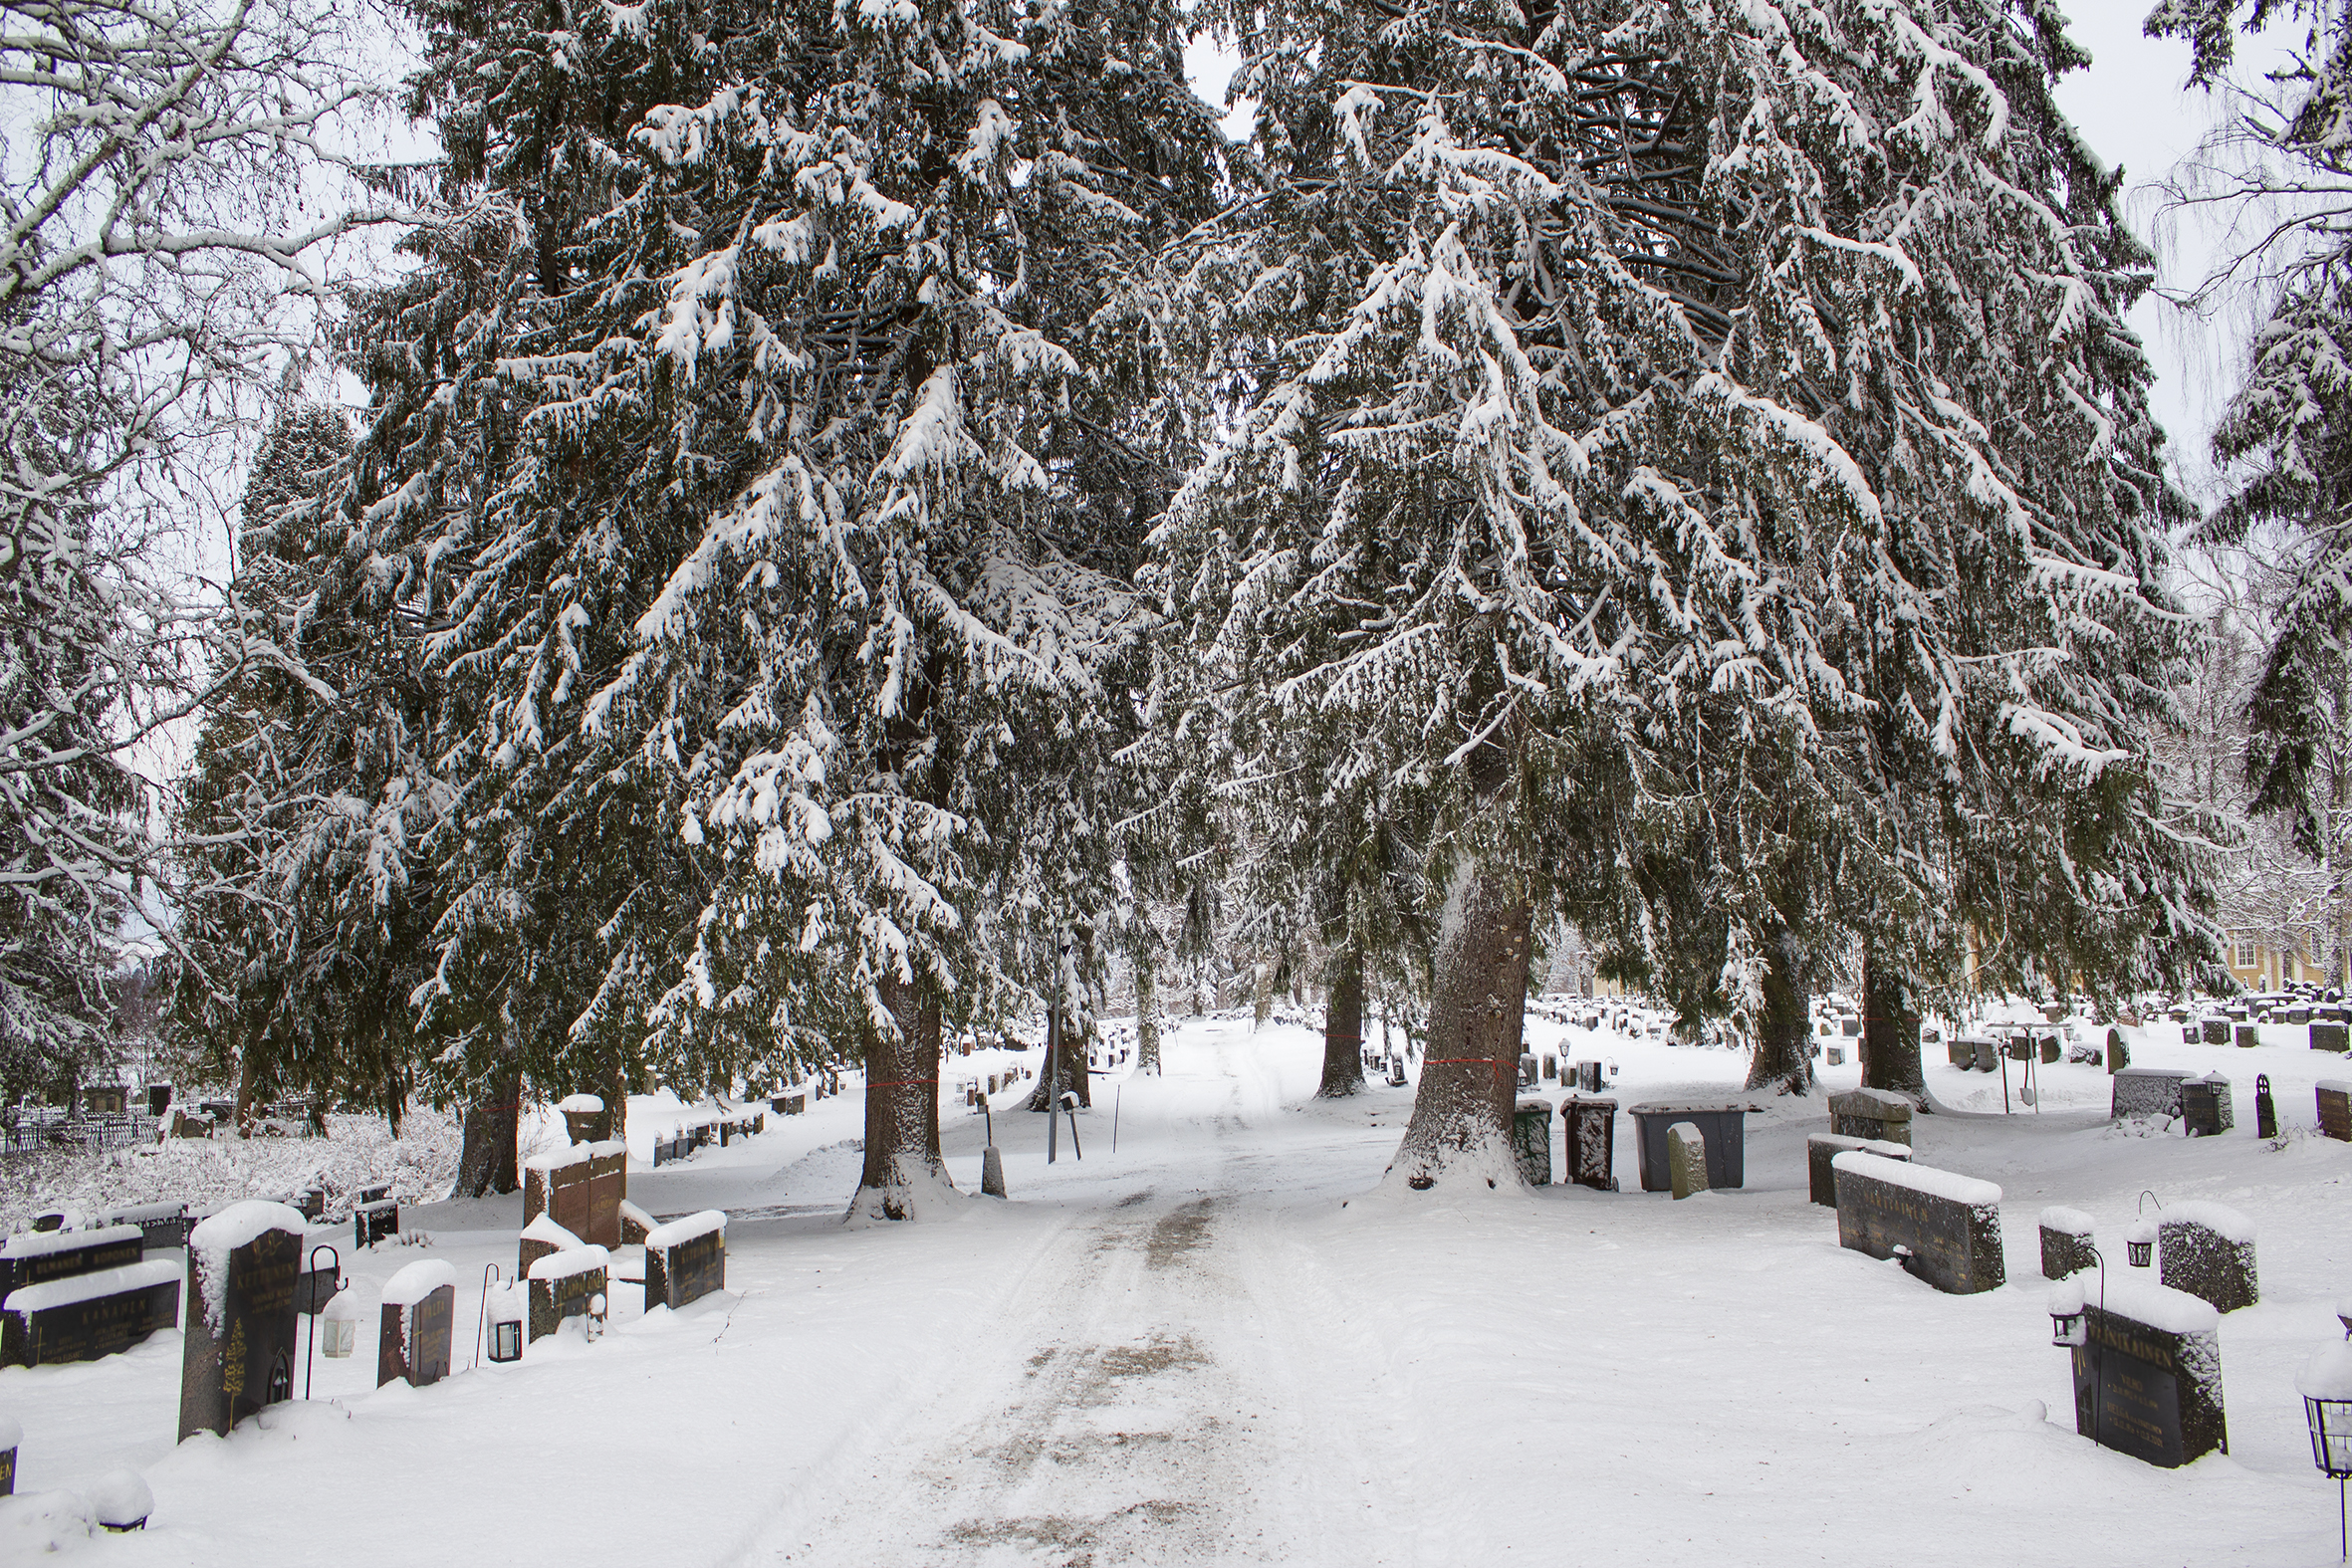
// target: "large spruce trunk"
[[1343, 1029], [486, 1158], [903, 1170], [1890, 1030], [1784, 1044], [1147, 1018], [1460, 1131]]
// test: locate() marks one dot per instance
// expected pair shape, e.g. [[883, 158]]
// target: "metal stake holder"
[[310, 1341]]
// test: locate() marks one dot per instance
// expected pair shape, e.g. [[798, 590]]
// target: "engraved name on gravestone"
[[2149, 1388], [240, 1344], [1949, 1225], [59, 1255]]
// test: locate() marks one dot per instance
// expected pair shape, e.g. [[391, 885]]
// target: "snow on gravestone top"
[[1879, 1099], [2221, 1218], [664, 1237], [10, 1434], [578, 1260], [40, 1243], [2335, 1085], [89, 1287], [214, 1239], [578, 1153], [545, 1229], [2328, 1374], [2067, 1222], [2141, 1300], [1969, 1190], [418, 1280], [580, 1104]]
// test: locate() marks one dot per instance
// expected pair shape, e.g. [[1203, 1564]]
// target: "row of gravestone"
[[2206, 1107], [723, 1129]]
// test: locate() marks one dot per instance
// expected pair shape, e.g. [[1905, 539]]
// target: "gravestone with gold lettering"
[[419, 1315], [2148, 1379], [1944, 1227], [240, 1346]]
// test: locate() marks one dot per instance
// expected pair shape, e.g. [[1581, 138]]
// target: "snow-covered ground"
[[1214, 1346]]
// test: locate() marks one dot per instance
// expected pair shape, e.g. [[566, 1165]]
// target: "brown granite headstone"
[[2335, 1110], [240, 1345], [415, 1341]]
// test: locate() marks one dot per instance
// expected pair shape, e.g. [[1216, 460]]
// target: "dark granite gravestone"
[[2149, 1390], [1724, 1127], [686, 1259], [1987, 1055], [564, 1284], [2119, 1055], [60, 1255], [1949, 1225], [2249, 1035], [312, 1204], [2201, 1109], [2215, 1030], [1530, 1141], [586, 1120], [2327, 1036], [375, 1221], [240, 1344], [1824, 1148], [1592, 1142], [2265, 1109], [2065, 1242], [85, 1316], [163, 1224], [11, 1435], [1871, 1113], [2207, 1250], [2147, 1091], [313, 1289], [419, 1318], [2335, 1109]]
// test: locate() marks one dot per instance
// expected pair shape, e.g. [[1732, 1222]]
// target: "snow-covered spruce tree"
[[147, 218], [764, 434], [2284, 440], [303, 909]]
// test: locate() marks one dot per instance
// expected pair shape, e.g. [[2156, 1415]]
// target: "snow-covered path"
[[1152, 1390]]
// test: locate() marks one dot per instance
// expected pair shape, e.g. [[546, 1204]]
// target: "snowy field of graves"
[[1220, 1343]]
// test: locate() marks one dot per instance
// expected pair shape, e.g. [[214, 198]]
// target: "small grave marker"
[[563, 1284], [2327, 1035], [1686, 1157], [2207, 1249], [1592, 1142], [2147, 1091], [419, 1317], [1948, 1225], [239, 1342], [686, 1259], [2265, 1109], [375, 1221], [2148, 1379], [2066, 1241], [1822, 1149], [2335, 1109], [1871, 1113]]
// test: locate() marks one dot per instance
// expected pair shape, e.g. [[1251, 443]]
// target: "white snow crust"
[[2328, 1374], [215, 1237], [580, 1104], [663, 1238], [576, 1154], [545, 1229], [88, 1287], [416, 1281], [1949, 1185], [2219, 1219], [2067, 1222], [40, 1243], [2132, 1295], [578, 1260]]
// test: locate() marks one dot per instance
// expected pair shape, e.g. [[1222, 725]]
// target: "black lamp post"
[[2326, 1386]]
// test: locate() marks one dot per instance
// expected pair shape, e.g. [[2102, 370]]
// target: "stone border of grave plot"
[[1949, 1224]]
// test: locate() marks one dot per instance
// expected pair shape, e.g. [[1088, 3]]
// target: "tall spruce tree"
[[763, 440]]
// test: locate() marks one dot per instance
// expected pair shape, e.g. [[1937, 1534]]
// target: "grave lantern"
[[341, 1326], [2139, 1244], [2069, 1324], [2326, 1386], [506, 1339]]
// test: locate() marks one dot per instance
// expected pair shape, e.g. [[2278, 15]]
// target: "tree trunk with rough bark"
[[1460, 1131], [903, 1171], [1890, 1030], [1262, 995], [1147, 1018], [486, 1158], [1784, 1059], [1343, 1029]]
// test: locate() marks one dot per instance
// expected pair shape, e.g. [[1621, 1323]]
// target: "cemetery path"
[[1157, 1387]]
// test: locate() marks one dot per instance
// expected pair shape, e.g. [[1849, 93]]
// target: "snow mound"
[[1927, 1179], [416, 1281], [578, 1260], [2219, 1219], [38, 1244], [88, 1287], [663, 1238], [2067, 1222], [2328, 1374]]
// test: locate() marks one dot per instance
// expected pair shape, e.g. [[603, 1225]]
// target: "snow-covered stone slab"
[[1824, 1148], [2148, 1382], [2208, 1251], [418, 1324], [565, 1284], [81, 1317], [685, 1259], [583, 1187], [2147, 1091], [240, 1345], [1945, 1225], [1875, 1114], [40, 1255], [2066, 1241]]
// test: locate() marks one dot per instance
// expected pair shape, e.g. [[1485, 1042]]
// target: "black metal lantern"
[[2139, 1244], [2326, 1386]]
